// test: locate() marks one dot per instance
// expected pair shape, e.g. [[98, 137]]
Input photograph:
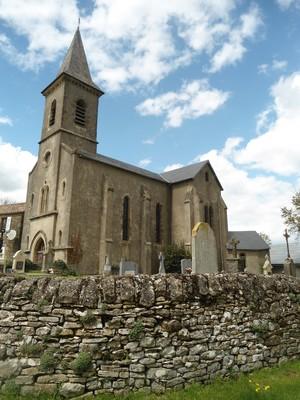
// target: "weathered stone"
[[10, 368], [69, 390]]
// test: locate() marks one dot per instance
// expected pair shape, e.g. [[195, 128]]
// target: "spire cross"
[[78, 22], [286, 235]]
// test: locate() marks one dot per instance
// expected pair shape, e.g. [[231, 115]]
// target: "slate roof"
[[174, 176], [121, 165], [278, 253], [188, 172], [75, 63], [249, 240], [8, 209]]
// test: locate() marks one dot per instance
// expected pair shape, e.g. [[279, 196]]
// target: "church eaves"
[[75, 63]]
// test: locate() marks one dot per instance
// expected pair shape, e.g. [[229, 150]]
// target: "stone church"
[[83, 207]]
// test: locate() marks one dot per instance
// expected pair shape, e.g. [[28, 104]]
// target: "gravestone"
[[161, 258], [186, 265], [289, 267], [19, 262], [107, 269], [204, 249], [128, 268]]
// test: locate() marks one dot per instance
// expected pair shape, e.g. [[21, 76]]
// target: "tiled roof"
[[8, 209], [249, 240], [174, 176]]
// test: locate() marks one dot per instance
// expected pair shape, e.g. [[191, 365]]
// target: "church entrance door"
[[39, 251]]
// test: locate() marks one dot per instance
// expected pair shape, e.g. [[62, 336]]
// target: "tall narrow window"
[[211, 216], [63, 191], [125, 227], [44, 199], [59, 237], [80, 113], [206, 176], [206, 212], [52, 113], [32, 200], [158, 223]]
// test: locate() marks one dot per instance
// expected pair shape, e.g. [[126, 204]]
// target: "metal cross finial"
[[234, 242], [78, 22], [286, 235]]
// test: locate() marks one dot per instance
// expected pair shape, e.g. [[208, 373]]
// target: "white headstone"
[[107, 266], [204, 249], [128, 268], [19, 262]]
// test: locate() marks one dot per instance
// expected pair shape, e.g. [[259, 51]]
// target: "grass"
[[283, 382]]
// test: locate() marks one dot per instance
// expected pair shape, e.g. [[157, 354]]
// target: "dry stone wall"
[[116, 334]]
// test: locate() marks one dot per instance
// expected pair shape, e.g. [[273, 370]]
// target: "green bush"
[[174, 253], [88, 319], [48, 361], [31, 349], [82, 363], [136, 331]]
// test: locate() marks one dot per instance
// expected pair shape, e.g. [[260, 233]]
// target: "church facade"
[[83, 207]]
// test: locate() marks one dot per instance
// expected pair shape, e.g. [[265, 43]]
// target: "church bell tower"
[[71, 107]]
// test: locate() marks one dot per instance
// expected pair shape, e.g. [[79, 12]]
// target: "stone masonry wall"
[[115, 334]]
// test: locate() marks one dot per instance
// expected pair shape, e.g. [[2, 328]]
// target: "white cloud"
[[149, 141], [277, 149], [129, 43], [5, 121], [15, 165], [253, 202], [145, 162], [284, 4], [172, 166], [234, 48], [193, 100], [279, 65], [276, 65]]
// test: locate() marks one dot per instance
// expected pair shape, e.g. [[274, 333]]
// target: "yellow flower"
[[250, 381], [257, 389], [257, 384], [267, 387]]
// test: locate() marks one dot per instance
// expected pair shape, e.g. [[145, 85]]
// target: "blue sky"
[[183, 81]]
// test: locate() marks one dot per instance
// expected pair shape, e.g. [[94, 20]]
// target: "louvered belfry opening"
[[52, 113], [80, 113]]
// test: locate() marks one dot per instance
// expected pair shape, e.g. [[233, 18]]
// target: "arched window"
[[52, 113], [80, 113], [125, 224], [59, 237], [44, 199], [158, 223], [211, 216], [206, 214], [206, 176]]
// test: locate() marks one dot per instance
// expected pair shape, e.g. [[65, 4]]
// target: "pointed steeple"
[[75, 63]]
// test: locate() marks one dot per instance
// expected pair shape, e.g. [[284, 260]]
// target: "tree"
[[266, 238], [6, 201], [291, 216]]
